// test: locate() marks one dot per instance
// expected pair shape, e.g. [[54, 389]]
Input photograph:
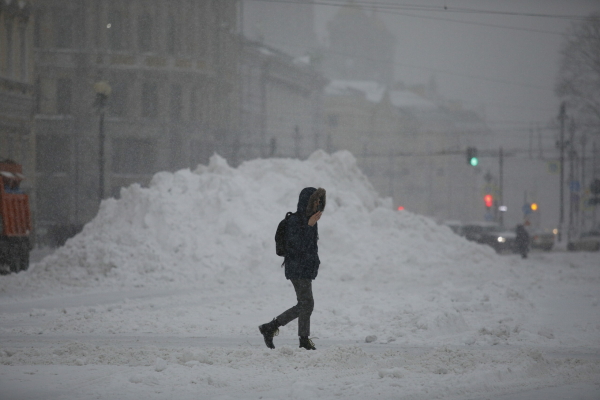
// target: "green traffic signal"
[[472, 156]]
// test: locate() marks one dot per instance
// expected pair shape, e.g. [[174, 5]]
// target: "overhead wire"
[[392, 12], [377, 6], [512, 28]]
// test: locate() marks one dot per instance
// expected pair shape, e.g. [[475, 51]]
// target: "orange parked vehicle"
[[15, 219]]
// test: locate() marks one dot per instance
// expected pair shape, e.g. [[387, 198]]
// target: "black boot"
[[269, 330], [306, 343]]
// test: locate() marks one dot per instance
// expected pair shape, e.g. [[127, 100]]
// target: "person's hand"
[[314, 218]]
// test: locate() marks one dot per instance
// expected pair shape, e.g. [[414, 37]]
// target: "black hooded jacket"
[[301, 258]]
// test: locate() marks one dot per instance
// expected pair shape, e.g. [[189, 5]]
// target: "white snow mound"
[[219, 220]]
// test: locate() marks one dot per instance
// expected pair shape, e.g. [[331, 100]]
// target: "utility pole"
[[101, 141], [501, 185], [572, 187], [297, 141], [583, 140], [103, 91], [561, 146], [391, 175], [541, 151], [530, 143], [593, 179]]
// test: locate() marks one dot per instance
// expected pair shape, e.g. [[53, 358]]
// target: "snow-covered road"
[[38, 363], [160, 296]]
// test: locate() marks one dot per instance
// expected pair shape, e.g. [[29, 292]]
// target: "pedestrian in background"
[[522, 241]]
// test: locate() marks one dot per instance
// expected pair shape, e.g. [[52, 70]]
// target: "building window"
[[193, 105], [202, 40], [9, 49], [149, 100], [171, 35], [118, 98], [145, 33], [187, 24], [23, 51], [63, 28], [196, 104], [116, 32], [53, 153], [133, 156], [175, 104], [37, 29], [38, 96], [63, 96]]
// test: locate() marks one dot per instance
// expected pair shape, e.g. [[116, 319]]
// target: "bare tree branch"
[[578, 80]]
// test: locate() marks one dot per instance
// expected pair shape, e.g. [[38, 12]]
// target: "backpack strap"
[[287, 215]]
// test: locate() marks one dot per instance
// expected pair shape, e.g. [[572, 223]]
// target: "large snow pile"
[[218, 222], [390, 274]]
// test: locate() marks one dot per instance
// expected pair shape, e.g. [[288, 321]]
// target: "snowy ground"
[[161, 294]]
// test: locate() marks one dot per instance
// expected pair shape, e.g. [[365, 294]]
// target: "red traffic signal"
[[488, 199]]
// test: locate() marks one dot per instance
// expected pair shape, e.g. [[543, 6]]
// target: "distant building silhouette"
[[281, 104], [17, 97], [285, 25], [173, 70], [360, 47]]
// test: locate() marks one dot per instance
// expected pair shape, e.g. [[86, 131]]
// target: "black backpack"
[[280, 235]]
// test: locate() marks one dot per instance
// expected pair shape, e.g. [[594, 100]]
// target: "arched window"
[[145, 32], [9, 48], [116, 30], [23, 51], [63, 28]]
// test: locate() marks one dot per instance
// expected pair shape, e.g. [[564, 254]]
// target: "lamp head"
[[102, 88]]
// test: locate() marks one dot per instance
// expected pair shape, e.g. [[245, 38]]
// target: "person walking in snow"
[[522, 240], [301, 265]]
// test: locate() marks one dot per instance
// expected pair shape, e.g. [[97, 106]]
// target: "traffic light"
[[528, 208], [488, 199], [472, 156]]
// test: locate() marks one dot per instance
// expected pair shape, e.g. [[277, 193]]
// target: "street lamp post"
[[103, 90]]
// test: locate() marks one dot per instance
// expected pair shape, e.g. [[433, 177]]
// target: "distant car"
[[542, 241], [588, 241], [491, 234], [456, 226], [500, 240], [473, 230]]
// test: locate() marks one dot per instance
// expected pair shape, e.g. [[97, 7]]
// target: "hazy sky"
[[510, 72]]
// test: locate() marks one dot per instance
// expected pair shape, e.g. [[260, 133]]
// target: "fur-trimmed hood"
[[316, 202], [309, 199]]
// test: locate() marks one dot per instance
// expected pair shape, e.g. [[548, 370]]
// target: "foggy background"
[[504, 65], [500, 59], [105, 94]]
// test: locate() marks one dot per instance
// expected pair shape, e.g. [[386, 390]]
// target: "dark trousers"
[[303, 309]]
